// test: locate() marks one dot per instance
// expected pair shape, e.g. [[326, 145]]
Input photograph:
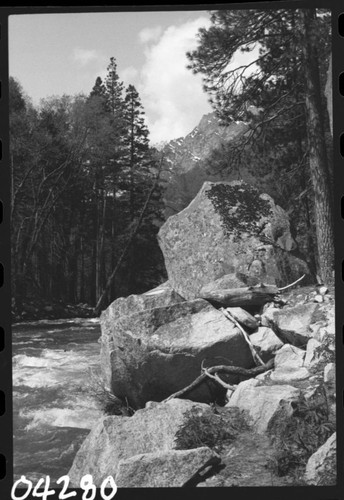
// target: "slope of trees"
[[280, 91], [82, 170]]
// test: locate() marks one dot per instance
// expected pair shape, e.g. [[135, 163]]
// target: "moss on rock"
[[240, 207]]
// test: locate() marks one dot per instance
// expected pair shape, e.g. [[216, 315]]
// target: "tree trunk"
[[317, 149], [241, 297], [94, 274], [102, 245], [328, 93], [112, 290], [103, 296]]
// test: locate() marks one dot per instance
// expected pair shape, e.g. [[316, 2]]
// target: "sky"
[[56, 54]]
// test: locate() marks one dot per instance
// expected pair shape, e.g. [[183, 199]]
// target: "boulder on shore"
[[117, 438], [229, 228], [267, 406], [153, 353], [162, 295], [173, 468]]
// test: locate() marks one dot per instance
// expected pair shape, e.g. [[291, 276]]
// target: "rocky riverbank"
[[216, 392], [39, 309]]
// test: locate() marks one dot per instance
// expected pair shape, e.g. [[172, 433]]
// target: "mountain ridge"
[[185, 157]]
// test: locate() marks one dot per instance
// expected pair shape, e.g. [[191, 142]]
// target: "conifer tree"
[[138, 176], [136, 146], [284, 82], [114, 89]]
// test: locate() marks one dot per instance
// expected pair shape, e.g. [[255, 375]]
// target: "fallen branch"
[[241, 297], [258, 360], [229, 370], [292, 284], [220, 381]]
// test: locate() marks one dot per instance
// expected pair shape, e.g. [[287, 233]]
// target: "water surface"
[[55, 366]]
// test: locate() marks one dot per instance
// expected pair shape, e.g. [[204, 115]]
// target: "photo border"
[[6, 422]]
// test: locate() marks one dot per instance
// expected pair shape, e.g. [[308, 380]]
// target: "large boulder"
[[226, 281], [268, 407], [173, 468], [150, 354], [161, 296], [116, 438], [293, 324], [229, 228]]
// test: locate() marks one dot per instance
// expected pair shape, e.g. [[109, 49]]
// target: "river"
[[55, 366]]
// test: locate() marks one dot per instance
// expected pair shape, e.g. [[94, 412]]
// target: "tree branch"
[[229, 370]]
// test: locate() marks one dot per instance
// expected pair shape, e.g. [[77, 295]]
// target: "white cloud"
[[84, 56], [129, 75], [171, 94], [150, 34]]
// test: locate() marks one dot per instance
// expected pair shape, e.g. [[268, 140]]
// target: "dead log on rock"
[[242, 297], [258, 360], [229, 370]]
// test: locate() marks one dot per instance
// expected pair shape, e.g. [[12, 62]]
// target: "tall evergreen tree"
[[318, 160], [98, 88], [277, 82], [136, 145], [114, 89], [106, 104], [136, 174]]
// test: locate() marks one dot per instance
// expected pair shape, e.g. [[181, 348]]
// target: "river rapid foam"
[[55, 364]]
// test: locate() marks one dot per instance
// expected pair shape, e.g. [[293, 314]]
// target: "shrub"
[[213, 430], [107, 402], [307, 429]]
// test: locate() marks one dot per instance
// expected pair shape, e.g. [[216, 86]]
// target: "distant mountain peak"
[[185, 156], [184, 152]]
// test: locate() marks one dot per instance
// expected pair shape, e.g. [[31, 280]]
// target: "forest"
[[82, 172], [87, 194]]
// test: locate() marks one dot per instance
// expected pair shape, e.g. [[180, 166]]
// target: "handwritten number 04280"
[[86, 484]]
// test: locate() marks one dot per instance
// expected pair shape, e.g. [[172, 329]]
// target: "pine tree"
[[278, 83], [137, 179], [318, 161], [136, 145], [98, 88], [106, 107], [114, 89]]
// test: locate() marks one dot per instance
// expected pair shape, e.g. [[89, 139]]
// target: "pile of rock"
[[155, 345]]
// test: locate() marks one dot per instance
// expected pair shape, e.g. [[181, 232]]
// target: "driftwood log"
[[229, 370], [241, 297]]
